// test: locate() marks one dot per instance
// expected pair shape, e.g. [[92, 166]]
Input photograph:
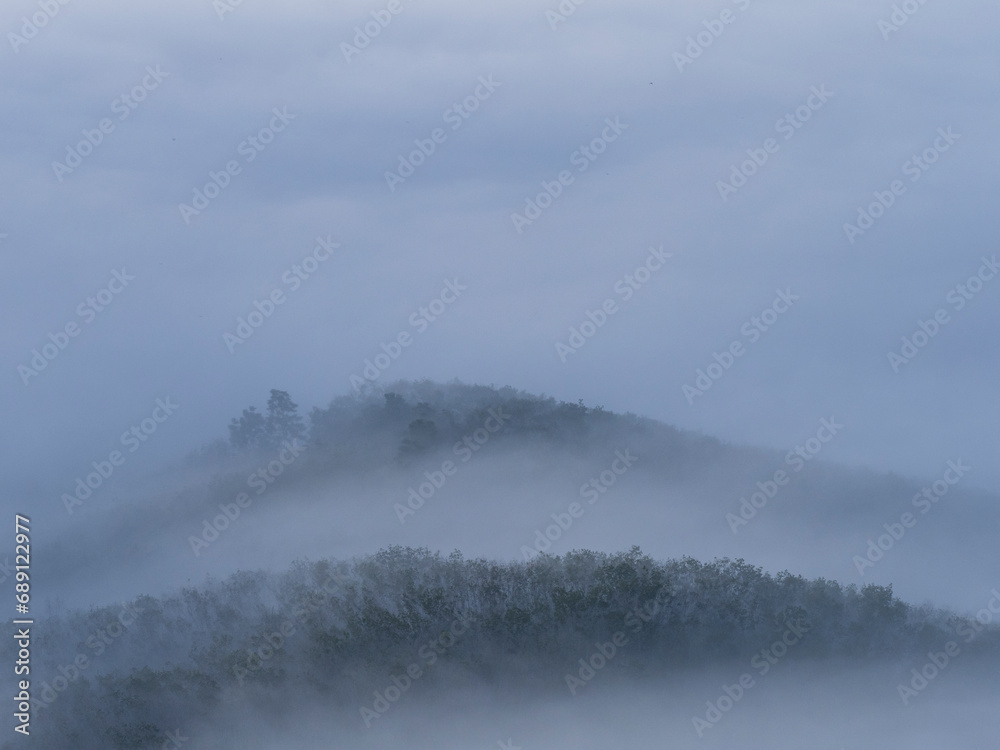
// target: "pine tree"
[[283, 420]]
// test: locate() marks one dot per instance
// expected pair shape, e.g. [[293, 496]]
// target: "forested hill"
[[221, 620], [404, 420], [403, 424], [341, 632], [516, 460]]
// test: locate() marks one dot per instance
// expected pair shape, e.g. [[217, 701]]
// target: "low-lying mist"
[[460, 566], [598, 646], [428, 465]]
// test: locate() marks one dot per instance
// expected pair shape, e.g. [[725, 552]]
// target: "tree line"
[[340, 631]]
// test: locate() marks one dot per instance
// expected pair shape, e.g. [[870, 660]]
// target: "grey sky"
[[323, 175]]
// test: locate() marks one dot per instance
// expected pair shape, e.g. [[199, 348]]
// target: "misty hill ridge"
[[405, 419], [363, 453], [339, 631], [405, 424]]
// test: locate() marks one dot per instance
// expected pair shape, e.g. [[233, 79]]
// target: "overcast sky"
[[174, 92]]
